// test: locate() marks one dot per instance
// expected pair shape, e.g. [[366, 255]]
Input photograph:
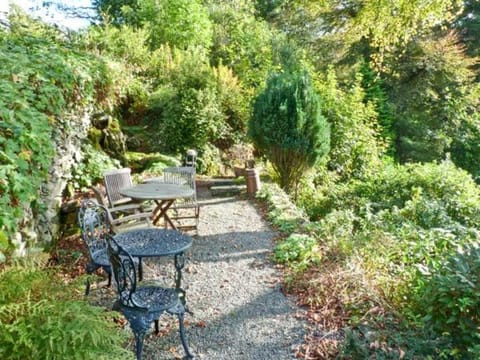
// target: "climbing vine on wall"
[[42, 80]]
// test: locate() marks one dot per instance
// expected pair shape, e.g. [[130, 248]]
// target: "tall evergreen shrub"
[[287, 125]]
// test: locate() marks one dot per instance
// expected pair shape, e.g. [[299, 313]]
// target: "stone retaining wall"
[[38, 230]]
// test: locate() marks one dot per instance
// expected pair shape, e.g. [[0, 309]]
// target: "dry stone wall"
[[38, 230]]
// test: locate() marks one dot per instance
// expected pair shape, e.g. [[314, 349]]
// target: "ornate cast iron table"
[[163, 194], [154, 242]]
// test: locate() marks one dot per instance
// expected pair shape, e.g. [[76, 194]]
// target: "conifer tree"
[[287, 126]]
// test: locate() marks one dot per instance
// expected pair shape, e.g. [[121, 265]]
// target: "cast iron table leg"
[[179, 265]]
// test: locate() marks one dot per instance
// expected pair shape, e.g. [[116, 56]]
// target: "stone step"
[[225, 190], [223, 182], [217, 182]]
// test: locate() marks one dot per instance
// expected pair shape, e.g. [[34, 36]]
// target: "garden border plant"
[[43, 317]]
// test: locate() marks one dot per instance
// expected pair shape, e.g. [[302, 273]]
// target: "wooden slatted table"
[[164, 195]]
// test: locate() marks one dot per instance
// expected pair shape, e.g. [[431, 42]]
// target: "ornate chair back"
[[94, 222], [143, 305], [124, 272]]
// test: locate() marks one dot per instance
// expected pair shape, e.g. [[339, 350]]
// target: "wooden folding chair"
[[123, 217], [115, 180], [185, 211], [126, 213]]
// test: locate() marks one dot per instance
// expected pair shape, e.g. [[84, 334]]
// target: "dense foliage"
[[194, 104], [41, 318], [42, 82], [236, 27], [408, 242], [180, 23], [409, 231]]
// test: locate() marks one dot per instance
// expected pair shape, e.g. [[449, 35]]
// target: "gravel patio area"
[[232, 289]]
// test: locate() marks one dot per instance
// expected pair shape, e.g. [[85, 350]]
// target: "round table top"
[[157, 191], [153, 242]]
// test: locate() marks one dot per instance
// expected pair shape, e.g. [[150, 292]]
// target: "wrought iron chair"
[[142, 305], [93, 220], [186, 211]]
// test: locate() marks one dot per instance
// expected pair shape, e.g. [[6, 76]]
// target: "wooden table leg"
[[161, 211]]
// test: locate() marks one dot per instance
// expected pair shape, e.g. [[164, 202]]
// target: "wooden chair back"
[[181, 175], [116, 180]]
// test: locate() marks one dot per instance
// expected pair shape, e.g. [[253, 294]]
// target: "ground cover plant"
[[399, 257], [42, 316]]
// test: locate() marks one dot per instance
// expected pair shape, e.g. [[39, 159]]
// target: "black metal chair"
[[142, 305], [93, 220]]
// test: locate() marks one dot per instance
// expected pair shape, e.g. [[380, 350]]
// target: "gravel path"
[[232, 288]]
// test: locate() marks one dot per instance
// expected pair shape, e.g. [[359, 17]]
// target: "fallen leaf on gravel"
[[121, 321], [201, 324], [173, 351]]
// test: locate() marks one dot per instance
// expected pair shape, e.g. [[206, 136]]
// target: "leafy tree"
[[234, 103], [468, 26], [356, 144], [240, 41], [123, 44], [431, 97], [193, 103], [465, 148], [376, 94], [384, 25], [287, 125], [114, 10], [180, 23]]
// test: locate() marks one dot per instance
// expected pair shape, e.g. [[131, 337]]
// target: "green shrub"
[[40, 318], [392, 186], [287, 126], [298, 251], [151, 164], [356, 143], [194, 104], [450, 298], [398, 233], [208, 161], [90, 171]]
